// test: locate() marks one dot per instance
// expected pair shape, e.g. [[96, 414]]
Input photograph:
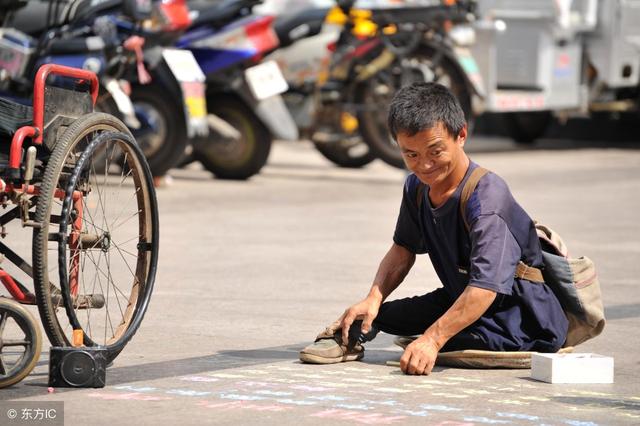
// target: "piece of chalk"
[[50, 390], [393, 363]]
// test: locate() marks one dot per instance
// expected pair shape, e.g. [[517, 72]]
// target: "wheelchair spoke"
[[126, 263], [123, 208], [3, 321]]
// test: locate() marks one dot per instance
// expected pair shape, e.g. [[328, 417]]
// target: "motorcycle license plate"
[[265, 80], [187, 72]]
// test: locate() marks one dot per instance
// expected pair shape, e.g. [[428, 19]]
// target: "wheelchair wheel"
[[96, 251], [20, 342]]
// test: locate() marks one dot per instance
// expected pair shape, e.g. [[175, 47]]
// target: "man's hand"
[[393, 268], [419, 357], [366, 310]]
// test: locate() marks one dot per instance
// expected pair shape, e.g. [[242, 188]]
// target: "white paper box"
[[572, 368]]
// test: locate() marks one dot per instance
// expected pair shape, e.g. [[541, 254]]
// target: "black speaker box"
[[77, 367]]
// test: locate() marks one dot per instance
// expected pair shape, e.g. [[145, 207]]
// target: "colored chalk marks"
[[376, 395]]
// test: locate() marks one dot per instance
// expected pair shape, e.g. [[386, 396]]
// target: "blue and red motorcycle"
[[244, 109]]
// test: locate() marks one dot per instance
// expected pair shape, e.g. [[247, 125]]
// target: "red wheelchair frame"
[[21, 190]]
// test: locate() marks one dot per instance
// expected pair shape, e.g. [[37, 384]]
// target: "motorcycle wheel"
[[379, 90], [526, 127], [348, 155], [164, 146], [234, 158]]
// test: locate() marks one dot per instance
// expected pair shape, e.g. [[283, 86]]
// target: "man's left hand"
[[419, 357]]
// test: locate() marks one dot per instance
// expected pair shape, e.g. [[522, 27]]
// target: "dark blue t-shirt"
[[525, 315]]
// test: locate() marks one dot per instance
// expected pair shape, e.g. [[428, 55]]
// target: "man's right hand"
[[366, 310]]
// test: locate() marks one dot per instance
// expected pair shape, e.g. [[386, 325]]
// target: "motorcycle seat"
[[32, 18], [13, 115], [305, 23], [220, 13], [417, 14]]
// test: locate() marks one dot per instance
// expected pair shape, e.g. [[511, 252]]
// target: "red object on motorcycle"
[[176, 14], [135, 43], [262, 36]]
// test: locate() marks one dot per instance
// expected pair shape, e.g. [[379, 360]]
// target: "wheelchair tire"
[[83, 257], [23, 323]]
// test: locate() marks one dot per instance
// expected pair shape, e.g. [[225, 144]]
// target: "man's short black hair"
[[422, 106]]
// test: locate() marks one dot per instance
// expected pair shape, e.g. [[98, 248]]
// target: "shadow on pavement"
[[622, 311], [36, 383], [618, 403], [601, 131]]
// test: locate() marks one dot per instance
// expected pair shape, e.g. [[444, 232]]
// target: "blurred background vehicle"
[[245, 110], [559, 58], [123, 41], [218, 81], [344, 64]]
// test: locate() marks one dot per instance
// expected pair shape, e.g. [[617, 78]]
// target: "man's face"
[[433, 154]]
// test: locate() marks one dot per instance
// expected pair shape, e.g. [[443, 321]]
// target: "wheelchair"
[[80, 181]]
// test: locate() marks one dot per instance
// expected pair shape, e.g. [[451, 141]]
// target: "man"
[[482, 303]]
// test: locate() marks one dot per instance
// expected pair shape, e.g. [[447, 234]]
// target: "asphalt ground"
[[251, 271]]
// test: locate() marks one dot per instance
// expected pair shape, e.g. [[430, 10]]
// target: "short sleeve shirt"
[[501, 234]]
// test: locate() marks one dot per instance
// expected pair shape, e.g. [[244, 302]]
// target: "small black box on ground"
[[81, 367]]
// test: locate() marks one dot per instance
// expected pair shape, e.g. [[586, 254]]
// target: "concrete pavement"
[[251, 271]]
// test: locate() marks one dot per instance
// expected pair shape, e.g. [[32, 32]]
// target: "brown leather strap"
[[528, 273], [467, 190]]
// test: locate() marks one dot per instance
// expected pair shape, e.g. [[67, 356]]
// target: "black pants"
[[412, 316]]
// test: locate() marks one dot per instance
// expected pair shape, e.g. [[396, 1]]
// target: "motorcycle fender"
[[273, 113], [123, 102]]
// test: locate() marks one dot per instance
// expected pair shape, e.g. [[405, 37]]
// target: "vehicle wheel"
[[96, 249], [165, 143], [423, 65], [352, 153], [20, 342], [526, 127], [238, 157]]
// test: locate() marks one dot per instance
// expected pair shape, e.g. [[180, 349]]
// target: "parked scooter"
[[245, 110], [108, 38]]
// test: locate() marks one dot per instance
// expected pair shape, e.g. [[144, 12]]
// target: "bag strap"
[[468, 188], [523, 271]]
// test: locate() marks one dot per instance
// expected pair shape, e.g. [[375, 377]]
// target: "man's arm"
[[393, 268], [420, 356]]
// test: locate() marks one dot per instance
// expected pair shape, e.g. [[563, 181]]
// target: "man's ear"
[[462, 136]]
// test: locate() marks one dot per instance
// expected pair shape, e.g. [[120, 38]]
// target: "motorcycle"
[[307, 41], [395, 46], [344, 64], [244, 108]]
